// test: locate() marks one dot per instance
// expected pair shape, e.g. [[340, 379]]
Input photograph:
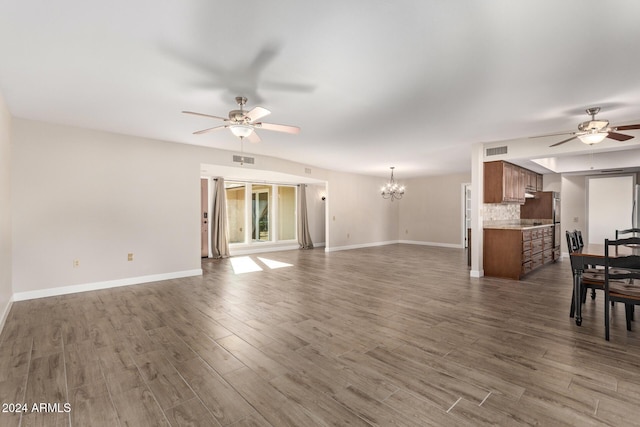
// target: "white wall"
[[5, 211], [316, 213], [573, 200], [95, 196], [357, 215], [431, 211]]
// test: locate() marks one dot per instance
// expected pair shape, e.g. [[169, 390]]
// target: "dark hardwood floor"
[[394, 335]]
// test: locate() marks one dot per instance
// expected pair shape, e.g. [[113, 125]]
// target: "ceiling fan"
[[595, 131], [244, 123]]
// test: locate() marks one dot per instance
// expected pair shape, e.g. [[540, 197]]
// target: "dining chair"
[[579, 238], [634, 231], [591, 278], [621, 277]]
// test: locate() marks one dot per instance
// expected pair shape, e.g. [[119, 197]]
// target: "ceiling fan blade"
[[205, 115], [628, 127], [619, 136], [210, 129], [552, 134], [257, 113], [278, 128], [254, 137], [562, 142]]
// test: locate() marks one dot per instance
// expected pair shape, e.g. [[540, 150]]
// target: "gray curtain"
[[304, 238], [219, 229]]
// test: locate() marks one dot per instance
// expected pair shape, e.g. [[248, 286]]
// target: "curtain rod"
[[261, 182]]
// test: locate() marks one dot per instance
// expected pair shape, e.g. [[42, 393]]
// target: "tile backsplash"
[[501, 212]]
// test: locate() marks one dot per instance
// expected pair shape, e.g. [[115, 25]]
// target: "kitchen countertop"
[[516, 226]]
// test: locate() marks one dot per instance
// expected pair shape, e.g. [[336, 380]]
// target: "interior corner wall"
[[316, 213], [431, 211], [357, 216], [6, 291], [573, 199], [93, 197]]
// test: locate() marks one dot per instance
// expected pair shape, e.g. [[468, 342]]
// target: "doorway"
[[204, 217], [609, 206]]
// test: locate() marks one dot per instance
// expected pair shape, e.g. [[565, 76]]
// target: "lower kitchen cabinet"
[[514, 252]]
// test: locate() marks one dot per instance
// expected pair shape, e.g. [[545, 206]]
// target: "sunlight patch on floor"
[[245, 264], [273, 263]]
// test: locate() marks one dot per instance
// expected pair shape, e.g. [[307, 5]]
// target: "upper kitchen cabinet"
[[508, 183]]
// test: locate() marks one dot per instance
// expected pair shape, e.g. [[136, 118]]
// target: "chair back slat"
[[634, 231], [621, 277], [631, 262], [572, 241]]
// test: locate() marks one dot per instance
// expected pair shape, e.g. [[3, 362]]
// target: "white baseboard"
[[392, 242], [63, 290], [248, 250], [359, 246], [251, 251], [476, 273], [442, 245], [5, 314]]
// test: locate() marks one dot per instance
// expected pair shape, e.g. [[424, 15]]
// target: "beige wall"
[[5, 211], [431, 210], [316, 213], [573, 199], [357, 215], [94, 197]]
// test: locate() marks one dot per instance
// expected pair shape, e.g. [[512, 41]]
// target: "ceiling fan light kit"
[[241, 131], [593, 137], [243, 123], [595, 131]]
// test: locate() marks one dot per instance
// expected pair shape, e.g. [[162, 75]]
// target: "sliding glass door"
[[259, 213]]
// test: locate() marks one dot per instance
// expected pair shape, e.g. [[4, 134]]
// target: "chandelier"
[[391, 190]]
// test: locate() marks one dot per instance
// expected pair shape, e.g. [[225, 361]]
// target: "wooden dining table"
[[592, 254]]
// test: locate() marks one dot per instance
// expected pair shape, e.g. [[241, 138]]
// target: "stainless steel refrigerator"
[[635, 216]]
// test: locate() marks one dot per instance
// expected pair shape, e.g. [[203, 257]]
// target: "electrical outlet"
[[575, 219], [348, 235], [76, 263], [130, 256]]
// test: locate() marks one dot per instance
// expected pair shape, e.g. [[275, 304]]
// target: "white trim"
[[442, 245], [360, 246], [49, 292], [255, 250], [476, 273], [7, 309], [393, 242]]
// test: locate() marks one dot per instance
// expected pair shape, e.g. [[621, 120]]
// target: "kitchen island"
[[513, 250]]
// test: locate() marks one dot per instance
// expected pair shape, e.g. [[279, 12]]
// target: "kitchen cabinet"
[[531, 181], [515, 252], [507, 183]]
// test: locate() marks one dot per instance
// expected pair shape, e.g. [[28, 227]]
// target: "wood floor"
[[395, 335]]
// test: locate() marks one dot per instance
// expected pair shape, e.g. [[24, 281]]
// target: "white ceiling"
[[372, 83]]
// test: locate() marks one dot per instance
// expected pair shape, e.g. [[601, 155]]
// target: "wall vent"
[[495, 151], [244, 159], [612, 171]]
